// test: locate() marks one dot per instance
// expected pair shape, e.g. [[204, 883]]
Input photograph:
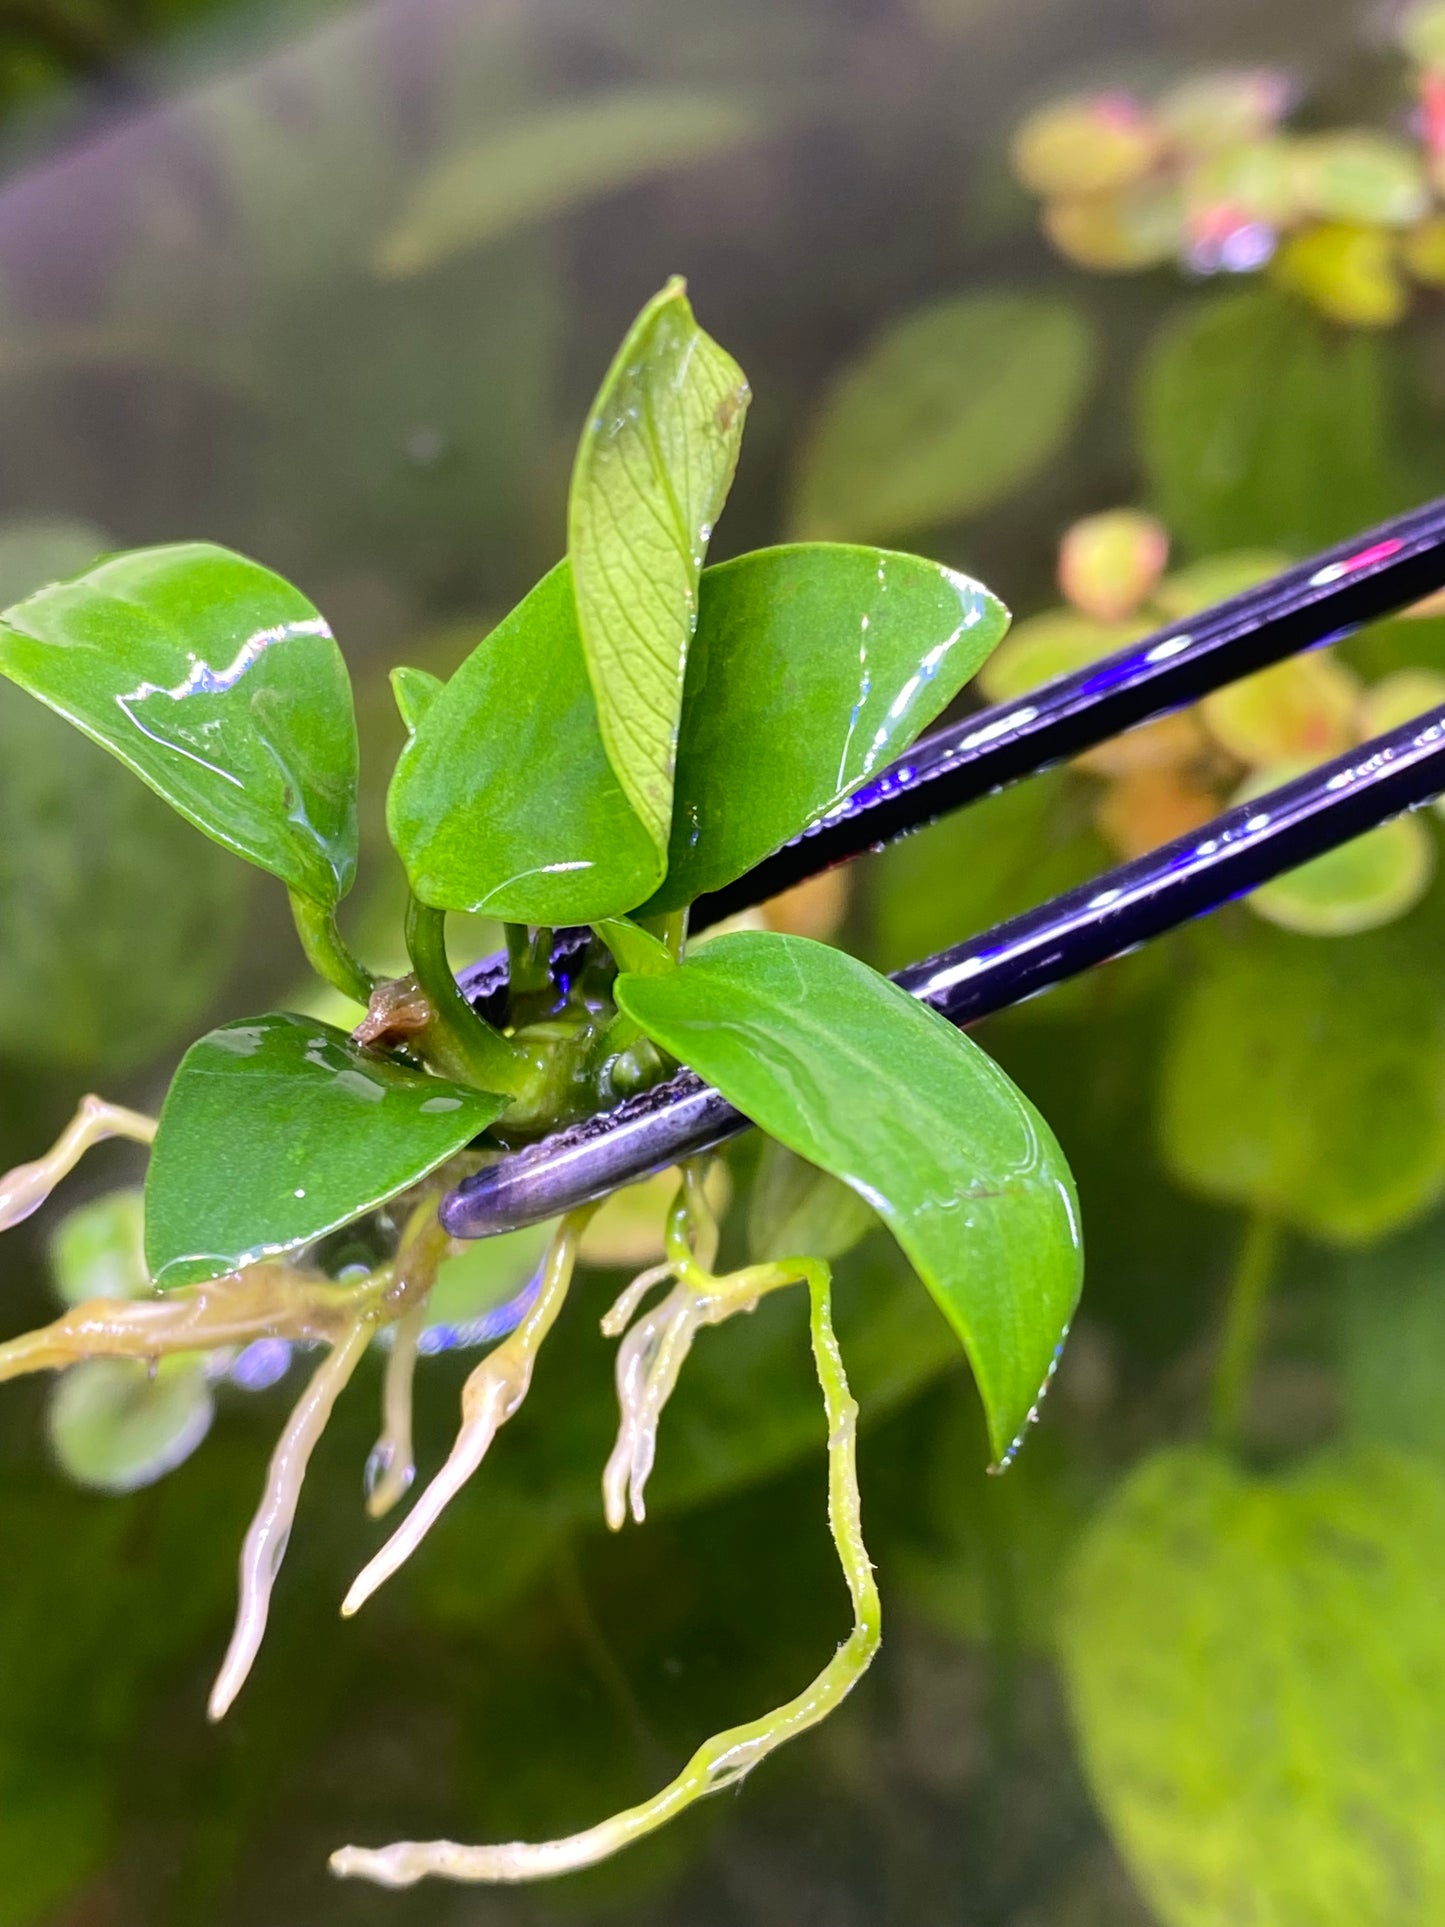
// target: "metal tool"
[[1321, 600]]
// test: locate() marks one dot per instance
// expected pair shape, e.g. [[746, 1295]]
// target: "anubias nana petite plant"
[[637, 731]]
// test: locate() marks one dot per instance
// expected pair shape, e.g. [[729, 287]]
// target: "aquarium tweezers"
[[1392, 566]]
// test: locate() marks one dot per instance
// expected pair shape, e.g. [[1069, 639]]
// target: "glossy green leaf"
[[117, 925], [414, 691], [653, 469], [812, 668], [511, 808], [533, 166], [949, 411], [633, 947], [277, 1129], [115, 1425], [220, 686], [861, 1079], [98, 1250], [1306, 1076], [1253, 1666], [1260, 424]]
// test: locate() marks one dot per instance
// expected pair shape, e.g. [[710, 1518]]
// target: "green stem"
[[529, 958], [475, 1052], [1254, 1273], [669, 928], [326, 950]]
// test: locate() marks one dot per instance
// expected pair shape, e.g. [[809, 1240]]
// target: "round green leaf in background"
[[1308, 1077], [950, 410], [1253, 1667], [1260, 424]]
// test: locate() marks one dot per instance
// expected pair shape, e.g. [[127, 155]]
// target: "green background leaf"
[[653, 470], [277, 1129], [1254, 1669], [812, 667], [220, 686], [859, 1078], [116, 1425], [1307, 1075], [1260, 423], [117, 926], [948, 411], [504, 801], [558, 155]]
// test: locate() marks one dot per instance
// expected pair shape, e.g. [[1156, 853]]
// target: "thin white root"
[[265, 1544], [25, 1189], [620, 1316], [489, 1398], [723, 1760], [392, 1465], [649, 1360]]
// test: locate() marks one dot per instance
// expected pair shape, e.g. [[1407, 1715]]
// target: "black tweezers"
[[1321, 600]]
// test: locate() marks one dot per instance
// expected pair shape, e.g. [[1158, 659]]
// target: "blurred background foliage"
[[333, 283]]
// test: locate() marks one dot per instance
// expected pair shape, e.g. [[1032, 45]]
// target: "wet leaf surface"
[[220, 686], [277, 1129], [813, 667], [864, 1081]]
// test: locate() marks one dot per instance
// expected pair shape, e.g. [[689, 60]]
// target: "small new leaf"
[[653, 469], [414, 691], [220, 686], [508, 807], [278, 1129], [863, 1080]]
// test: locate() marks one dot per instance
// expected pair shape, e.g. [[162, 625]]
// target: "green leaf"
[[1387, 1314], [633, 947], [98, 1250], [1253, 1666], [653, 470], [952, 409], [1304, 1076], [533, 166], [116, 925], [812, 667], [510, 808], [116, 1425], [414, 690], [1262, 424], [798, 1210], [220, 686], [277, 1129], [862, 1079]]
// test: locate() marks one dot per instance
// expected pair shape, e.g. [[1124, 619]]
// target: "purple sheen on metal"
[[1127, 906], [1368, 576]]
